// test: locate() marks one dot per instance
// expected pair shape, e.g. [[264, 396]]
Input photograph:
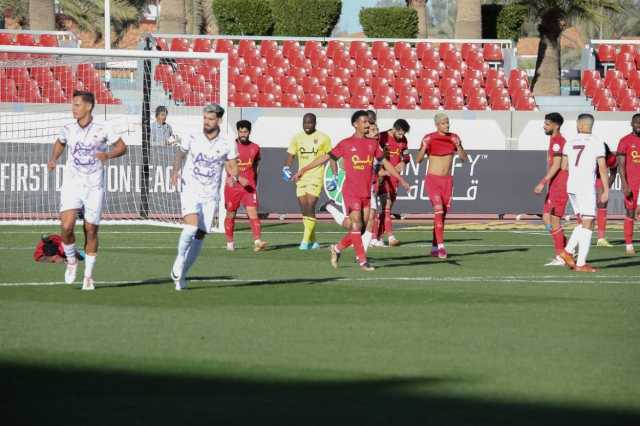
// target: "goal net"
[[36, 87]]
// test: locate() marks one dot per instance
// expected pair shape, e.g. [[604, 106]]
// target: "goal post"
[[36, 87]]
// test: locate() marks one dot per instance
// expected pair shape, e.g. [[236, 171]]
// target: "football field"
[[489, 336]]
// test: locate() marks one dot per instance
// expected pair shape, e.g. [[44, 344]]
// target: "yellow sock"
[[312, 225], [309, 226]]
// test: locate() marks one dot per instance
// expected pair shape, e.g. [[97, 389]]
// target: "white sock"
[[89, 263], [584, 245], [366, 239], [192, 255], [629, 246], [186, 238], [337, 215], [441, 245], [573, 240], [70, 252]]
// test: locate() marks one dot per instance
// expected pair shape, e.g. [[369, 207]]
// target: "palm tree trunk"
[[172, 17], [546, 80], [42, 15], [420, 7], [209, 23], [469, 19]]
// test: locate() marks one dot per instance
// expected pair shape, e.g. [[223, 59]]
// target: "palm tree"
[[173, 17], [469, 19], [42, 15], [553, 17], [420, 7]]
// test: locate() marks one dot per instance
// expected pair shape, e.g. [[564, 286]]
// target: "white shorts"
[[584, 203], [207, 210], [76, 197]]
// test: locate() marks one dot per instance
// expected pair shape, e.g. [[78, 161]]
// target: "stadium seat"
[[344, 74], [333, 82], [321, 74], [195, 99], [275, 72], [23, 39], [386, 73], [606, 53], [430, 92], [422, 47], [254, 73], [423, 83], [492, 52], [340, 90], [336, 101], [475, 61], [468, 48], [500, 103], [453, 102], [179, 44], [453, 60], [430, 102], [430, 59], [453, 92], [246, 47], [244, 100], [401, 47], [408, 91], [518, 74], [224, 45], [290, 48], [6, 39], [409, 60], [48, 40], [629, 104], [633, 50], [378, 48], [202, 45], [378, 82], [312, 48], [517, 85], [362, 91], [477, 103], [334, 47], [364, 73], [267, 100], [469, 84], [445, 48], [400, 83], [8, 91], [492, 85], [382, 102], [359, 101], [321, 60], [606, 104], [312, 100], [626, 69], [431, 74], [447, 83], [356, 47], [265, 83], [524, 103], [355, 83], [592, 86], [453, 74], [599, 94], [407, 102], [320, 91]]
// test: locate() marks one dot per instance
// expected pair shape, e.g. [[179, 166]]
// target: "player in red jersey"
[[440, 146], [395, 146], [358, 153], [628, 153], [246, 193], [601, 214], [557, 198]]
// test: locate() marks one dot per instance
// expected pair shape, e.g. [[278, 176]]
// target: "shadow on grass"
[[164, 280], [623, 264], [254, 283], [54, 396], [486, 252]]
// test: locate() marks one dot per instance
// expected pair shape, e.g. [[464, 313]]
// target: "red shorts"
[[631, 203], [355, 204], [556, 202], [237, 195], [439, 189], [389, 186]]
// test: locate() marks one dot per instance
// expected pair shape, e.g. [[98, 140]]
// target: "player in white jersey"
[[87, 144], [206, 155], [582, 155]]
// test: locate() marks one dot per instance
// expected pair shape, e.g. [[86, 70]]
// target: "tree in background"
[[553, 17], [389, 22], [420, 6], [305, 18], [244, 17], [469, 19], [510, 21]]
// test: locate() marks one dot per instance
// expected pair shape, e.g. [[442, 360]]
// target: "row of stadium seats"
[[26, 39], [619, 90], [361, 75]]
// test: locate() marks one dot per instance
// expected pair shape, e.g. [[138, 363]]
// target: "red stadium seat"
[[493, 85], [517, 85], [334, 47], [625, 93], [517, 74], [408, 91], [474, 74], [627, 69], [469, 84], [453, 102], [332, 82], [431, 74], [476, 61], [592, 86], [356, 47], [382, 102], [599, 94], [195, 99], [359, 101], [631, 49], [290, 48], [48, 40], [268, 47], [321, 60], [202, 45], [179, 44], [8, 91], [312, 48], [453, 74], [336, 101], [400, 83], [244, 100], [343, 74], [606, 53], [400, 48], [423, 83], [355, 83], [445, 48], [468, 48], [246, 47], [23, 39], [409, 60], [524, 103], [340, 90], [365, 91], [321, 74], [422, 47], [478, 103], [267, 100], [379, 48], [276, 72], [6, 39], [492, 52], [500, 103], [429, 59], [407, 102], [364, 73], [254, 73], [298, 73], [629, 104], [494, 73], [290, 100], [430, 102], [224, 45], [308, 82], [312, 100], [453, 60], [320, 91], [606, 104], [265, 83]]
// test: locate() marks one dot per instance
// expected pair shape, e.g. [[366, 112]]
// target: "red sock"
[[356, 239], [229, 224], [602, 222], [558, 239], [345, 242], [255, 228], [438, 227], [388, 222], [628, 230]]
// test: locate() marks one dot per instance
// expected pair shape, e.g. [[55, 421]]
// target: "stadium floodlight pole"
[[107, 24]]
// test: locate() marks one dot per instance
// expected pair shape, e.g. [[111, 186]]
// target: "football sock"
[[388, 222], [558, 239], [336, 214], [192, 255], [378, 229], [573, 240], [70, 252], [356, 240], [89, 263], [229, 225], [628, 231], [186, 238], [309, 228], [366, 239], [602, 222], [344, 242], [584, 245], [438, 227], [255, 228]]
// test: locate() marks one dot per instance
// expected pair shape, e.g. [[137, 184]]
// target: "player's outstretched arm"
[[119, 149], [393, 172], [604, 178], [315, 163], [553, 170], [56, 152], [177, 166]]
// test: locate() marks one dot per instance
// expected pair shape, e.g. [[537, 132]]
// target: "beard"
[[548, 132], [209, 130], [243, 140]]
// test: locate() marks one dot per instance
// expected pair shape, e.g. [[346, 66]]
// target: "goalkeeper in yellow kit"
[[307, 146]]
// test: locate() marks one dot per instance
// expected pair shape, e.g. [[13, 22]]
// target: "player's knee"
[[67, 229]]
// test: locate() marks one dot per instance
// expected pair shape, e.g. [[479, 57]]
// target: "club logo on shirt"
[[205, 167], [84, 155], [635, 156], [303, 151], [359, 164], [555, 147], [245, 165]]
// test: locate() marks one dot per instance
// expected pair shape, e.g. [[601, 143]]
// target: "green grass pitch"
[[487, 337]]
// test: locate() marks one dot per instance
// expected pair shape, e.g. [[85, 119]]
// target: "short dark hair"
[[402, 124], [372, 116], [160, 109], [86, 96], [554, 117], [359, 113], [243, 124], [585, 116], [635, 116]]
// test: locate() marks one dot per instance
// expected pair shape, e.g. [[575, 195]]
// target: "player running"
[[358, 154], [628, 153], [83, 181], [582, 156], [307, 146], [601, 214], [396, 148], [241, 194], [205, 156], [556, 200], [440, 146]]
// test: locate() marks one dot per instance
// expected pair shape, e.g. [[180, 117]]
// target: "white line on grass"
[[102, 232], [549, 279]]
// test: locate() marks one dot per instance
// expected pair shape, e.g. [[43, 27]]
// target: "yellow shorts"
[[311, 188]]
